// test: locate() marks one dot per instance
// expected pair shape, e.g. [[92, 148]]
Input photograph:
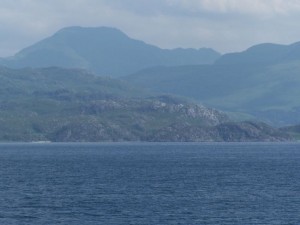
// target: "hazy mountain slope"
[[263, 54], [269, 92], [61, 83], [56, 104], [199, 82], [103, 50]]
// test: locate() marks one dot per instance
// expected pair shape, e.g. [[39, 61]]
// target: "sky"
[[224, 25]]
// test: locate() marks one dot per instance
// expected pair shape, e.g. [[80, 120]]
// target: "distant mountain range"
[[263, 54], [105, 51], [262, 82]]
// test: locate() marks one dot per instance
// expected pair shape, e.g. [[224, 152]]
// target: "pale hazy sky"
[[225, 25]]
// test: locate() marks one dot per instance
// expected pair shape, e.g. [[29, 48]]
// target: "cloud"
[[226, 25], [254, 7]]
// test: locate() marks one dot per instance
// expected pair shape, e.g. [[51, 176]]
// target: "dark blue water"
[[150, 184]]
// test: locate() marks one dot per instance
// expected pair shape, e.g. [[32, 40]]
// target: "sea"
[[150, 183]]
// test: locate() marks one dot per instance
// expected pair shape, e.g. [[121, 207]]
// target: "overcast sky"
[[225, 25]]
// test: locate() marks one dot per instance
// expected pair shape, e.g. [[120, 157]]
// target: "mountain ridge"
[[265, 53], [265, 91], [261, 81], [103, 50]]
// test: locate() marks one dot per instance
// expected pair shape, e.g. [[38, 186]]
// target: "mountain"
[[267, 53], [63, 105], [262, 82], [103, 50]]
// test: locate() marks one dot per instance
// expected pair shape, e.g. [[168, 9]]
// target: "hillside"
[[267, 92], [293, 131], [54, 104], [103, 50], [265, 54]]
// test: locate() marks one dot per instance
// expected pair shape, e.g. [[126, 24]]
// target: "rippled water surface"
[[150, 184]]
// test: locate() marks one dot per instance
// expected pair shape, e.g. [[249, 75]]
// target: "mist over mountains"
[[61, 91]]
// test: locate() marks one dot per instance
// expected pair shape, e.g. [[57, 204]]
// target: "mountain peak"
[[103, 50], [75, 30]]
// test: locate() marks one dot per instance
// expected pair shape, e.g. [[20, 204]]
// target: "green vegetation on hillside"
[[54, 104]]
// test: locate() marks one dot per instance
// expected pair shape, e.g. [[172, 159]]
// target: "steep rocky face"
[[136, 120], [157, 120], [164, 105]]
